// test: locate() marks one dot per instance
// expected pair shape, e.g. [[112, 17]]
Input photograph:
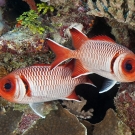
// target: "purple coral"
[[26, 122], [2, 2], [125, 104]]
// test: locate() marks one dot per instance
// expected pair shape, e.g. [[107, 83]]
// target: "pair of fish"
[[101, 55]]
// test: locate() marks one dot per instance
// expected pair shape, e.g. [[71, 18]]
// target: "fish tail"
[[62, 53]]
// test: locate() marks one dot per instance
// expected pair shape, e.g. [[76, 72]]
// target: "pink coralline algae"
[[26, 122], [125, 104], [22, 44]]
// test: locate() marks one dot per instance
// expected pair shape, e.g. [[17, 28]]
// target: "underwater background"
[[24, 26]]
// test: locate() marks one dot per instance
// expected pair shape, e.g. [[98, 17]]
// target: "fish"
[[36, 84], [100, 55]]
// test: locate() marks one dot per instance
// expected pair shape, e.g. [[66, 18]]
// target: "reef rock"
[[125, 104], [59, 122], [122, 11], [111, 125]]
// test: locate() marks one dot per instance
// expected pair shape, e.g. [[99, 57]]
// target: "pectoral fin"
[[107, 85], [79, 70], [38, 108], [78, 38]]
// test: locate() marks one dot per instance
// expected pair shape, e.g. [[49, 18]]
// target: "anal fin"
[[73, 96]]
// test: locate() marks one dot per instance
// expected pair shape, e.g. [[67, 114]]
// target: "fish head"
[[12, 88], [124, 67]]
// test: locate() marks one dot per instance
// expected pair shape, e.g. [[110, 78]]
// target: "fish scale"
[[47, 85], [102, 49], [100, 55]]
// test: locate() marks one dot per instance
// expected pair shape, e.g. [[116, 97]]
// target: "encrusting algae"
[[125, 104], [3, 72]]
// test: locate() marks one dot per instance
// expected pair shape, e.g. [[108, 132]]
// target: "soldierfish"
[[37, 84], [100, 55]]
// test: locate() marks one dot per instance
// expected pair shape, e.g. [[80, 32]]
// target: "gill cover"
[[124, 67], [12, 88]]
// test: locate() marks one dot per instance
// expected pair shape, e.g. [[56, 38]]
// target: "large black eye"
[[128, 66], [7, 86]]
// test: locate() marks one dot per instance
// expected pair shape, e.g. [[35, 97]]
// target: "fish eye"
[[129, 65], [7, 87]]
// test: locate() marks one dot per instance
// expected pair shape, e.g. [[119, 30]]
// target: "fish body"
[[100, 55], [40, 84]]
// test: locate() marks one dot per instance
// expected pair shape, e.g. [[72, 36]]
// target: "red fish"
[[36, 84], [100, 55]]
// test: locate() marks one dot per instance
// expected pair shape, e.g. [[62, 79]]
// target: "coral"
[[20, 107], [59, 122], [49, 106], [29, 118], [27, 121], [124, 34], [18, 61], [125, 104], [88, 125], [111, 125], [3, 26], [31, 20], [43, 8], [21, 49], [2, 2], [4, 104], [8, 121], [121, 32], [69, 15], [119, 15], [65, 2], [32, 4], [3, 72], [76, 108], [45, 0], [122, 11]]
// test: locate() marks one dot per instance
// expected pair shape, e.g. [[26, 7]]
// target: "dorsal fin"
[[103, 38], [41, 64], [78, 38]]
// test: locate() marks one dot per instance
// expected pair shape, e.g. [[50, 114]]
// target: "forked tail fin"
[[62, 53]]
